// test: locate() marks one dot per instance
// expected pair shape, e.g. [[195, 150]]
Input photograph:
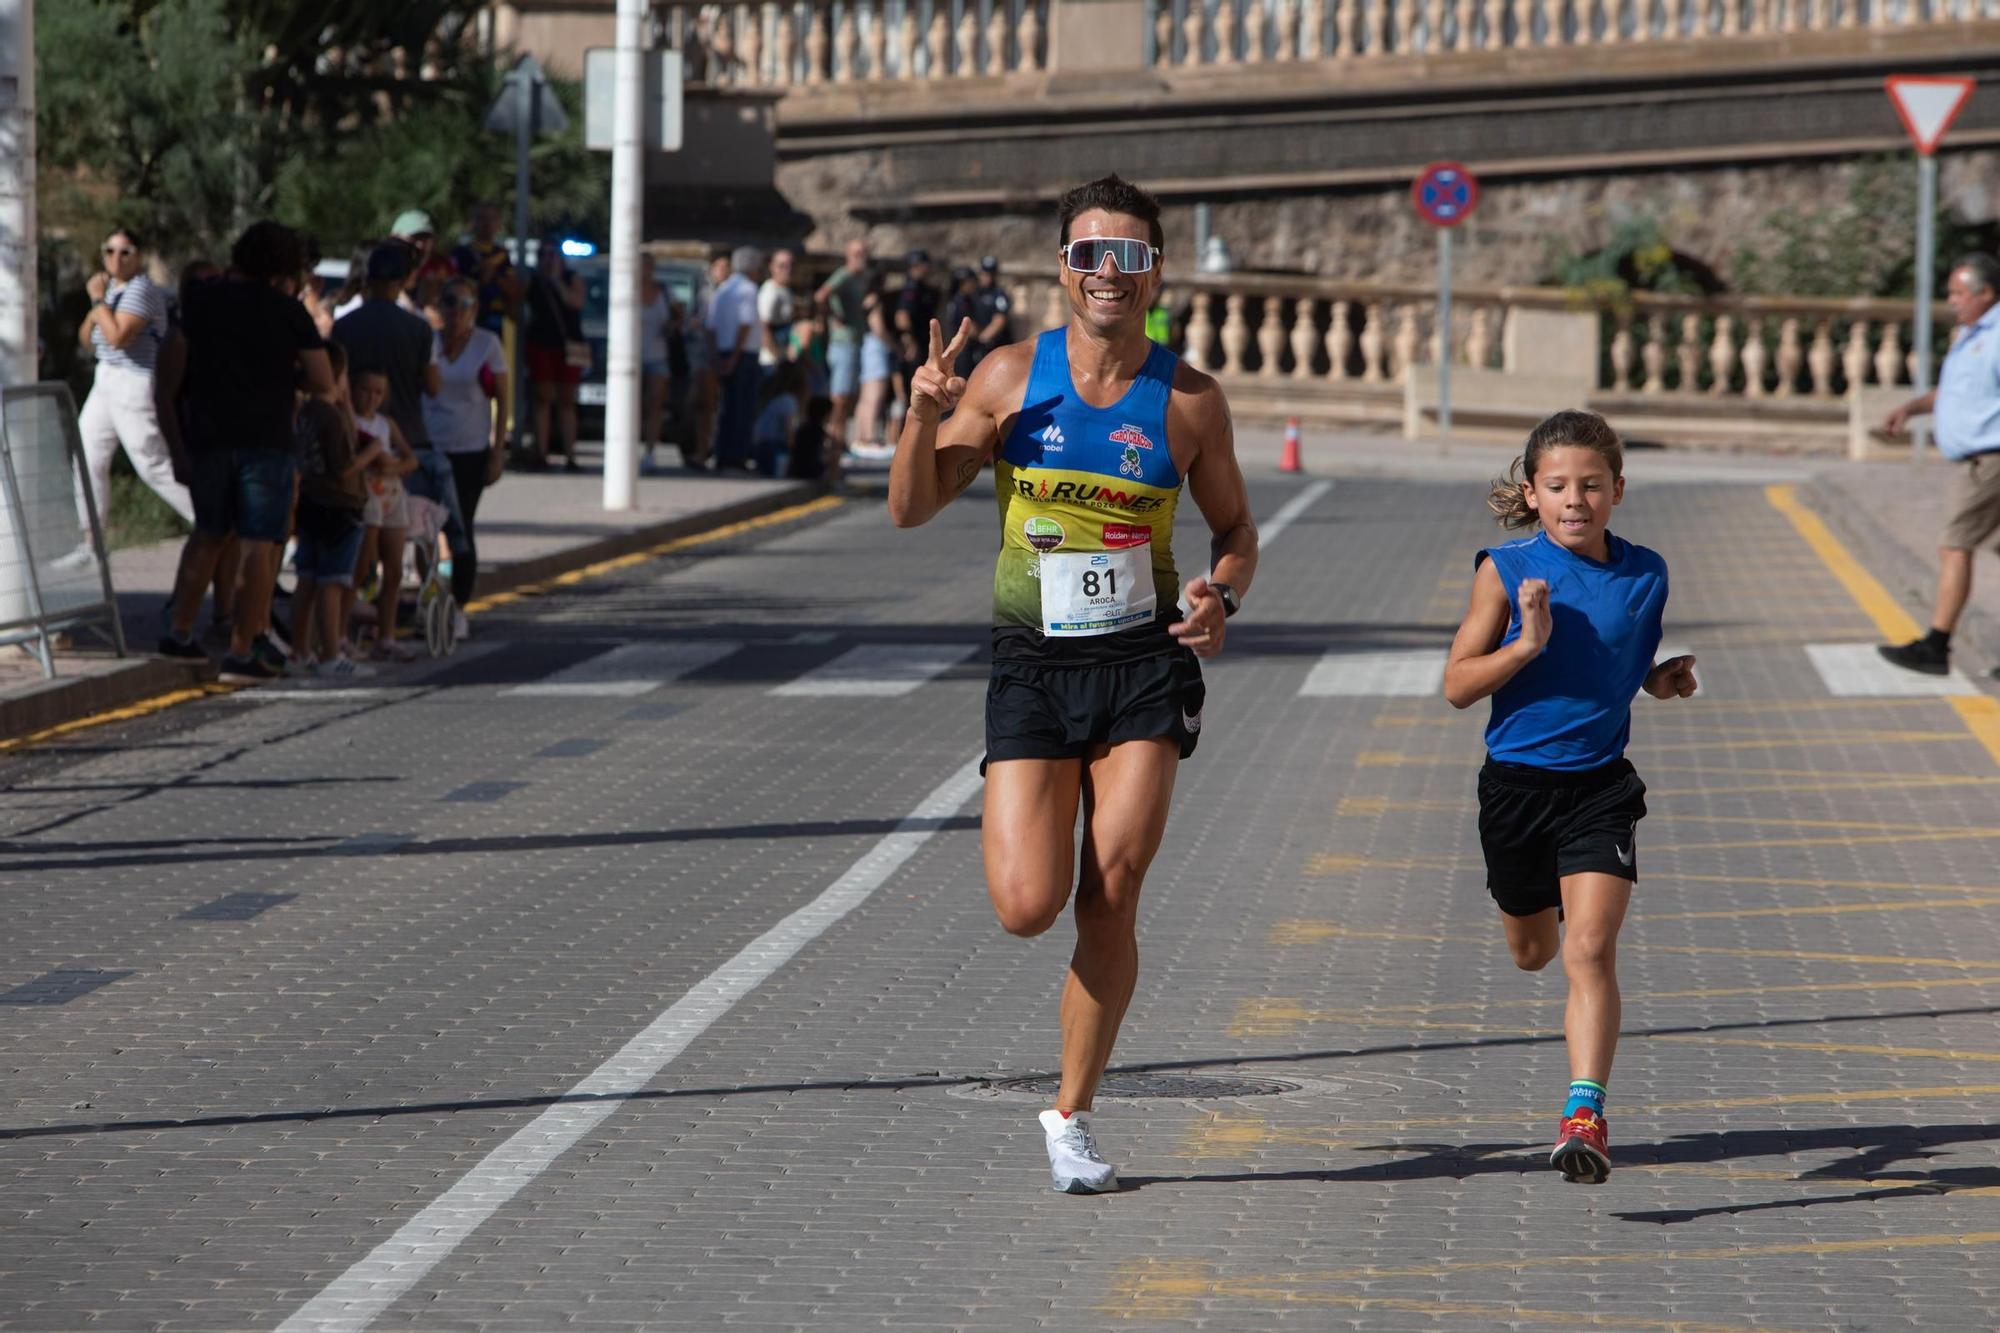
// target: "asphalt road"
[[634, 969]]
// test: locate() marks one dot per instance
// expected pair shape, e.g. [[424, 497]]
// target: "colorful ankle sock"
[[1585, 1096]]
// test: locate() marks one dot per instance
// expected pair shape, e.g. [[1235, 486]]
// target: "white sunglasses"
[[1086, 254]]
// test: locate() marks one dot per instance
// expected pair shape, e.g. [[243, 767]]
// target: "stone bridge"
[[952, 122]]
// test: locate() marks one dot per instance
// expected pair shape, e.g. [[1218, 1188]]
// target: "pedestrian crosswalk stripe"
[[627, 671], [878, 670], [1856, 669], [1350, 675]]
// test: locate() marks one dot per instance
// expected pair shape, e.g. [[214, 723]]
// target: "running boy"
[[1561, 633]]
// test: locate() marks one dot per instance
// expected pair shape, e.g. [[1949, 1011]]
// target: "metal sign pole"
[[524, 99], [1926, 260], [1444, 338], [628, 199]]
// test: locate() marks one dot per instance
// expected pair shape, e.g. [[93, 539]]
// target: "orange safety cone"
[[1289, 461]]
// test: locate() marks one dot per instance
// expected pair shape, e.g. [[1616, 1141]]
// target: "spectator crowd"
[[349, 426]]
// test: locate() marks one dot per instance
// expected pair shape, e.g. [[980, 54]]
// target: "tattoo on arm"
[[967, 471]]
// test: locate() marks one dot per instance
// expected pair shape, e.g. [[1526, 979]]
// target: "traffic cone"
[[1289, 461]]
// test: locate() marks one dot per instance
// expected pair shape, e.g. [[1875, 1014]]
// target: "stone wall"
[[1710, 213]]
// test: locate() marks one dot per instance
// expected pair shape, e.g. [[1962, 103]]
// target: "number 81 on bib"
[[1086, 593]]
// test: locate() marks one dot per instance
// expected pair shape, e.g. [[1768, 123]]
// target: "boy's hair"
[[819, 409], [1572, 429], [365, 371], [1113, 195]]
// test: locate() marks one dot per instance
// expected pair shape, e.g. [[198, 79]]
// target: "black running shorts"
[[1537, 825], [1037, 710]]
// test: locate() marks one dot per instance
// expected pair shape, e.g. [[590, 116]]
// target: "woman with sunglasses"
[[125, 326], [472, 376], [1096, 694]]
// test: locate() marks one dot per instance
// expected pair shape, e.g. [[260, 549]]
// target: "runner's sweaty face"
[[1109, 301]]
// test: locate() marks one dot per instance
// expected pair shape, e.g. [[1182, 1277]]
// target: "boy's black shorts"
[[1036, 711], [1537, 825]]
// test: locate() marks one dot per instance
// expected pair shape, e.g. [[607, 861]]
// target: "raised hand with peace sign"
[[934, 388]]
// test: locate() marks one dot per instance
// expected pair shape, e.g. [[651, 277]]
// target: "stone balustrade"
[[1227, 32], [808, 45], [814, 44], [1342, 350]]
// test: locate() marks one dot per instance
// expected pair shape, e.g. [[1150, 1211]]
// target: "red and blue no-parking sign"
[[1445, 194]]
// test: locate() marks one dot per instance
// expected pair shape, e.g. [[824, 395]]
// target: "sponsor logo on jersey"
[[1087, 493], [1118, 536], [1130, 465], [1044, 534], [1131, 435], [1052, 438]]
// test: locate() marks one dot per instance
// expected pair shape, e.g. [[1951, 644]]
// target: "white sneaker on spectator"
[[461, 628], [1075, 1164], [342, 667]]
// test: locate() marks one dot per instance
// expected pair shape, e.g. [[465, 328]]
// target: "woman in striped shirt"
[[125, 326]]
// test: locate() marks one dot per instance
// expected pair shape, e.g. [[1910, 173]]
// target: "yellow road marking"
[[1874, 600], [1783, 881], [1828, 909], [1587, 1258], [143, 708], [1981, 713], [1371, 805], [654, 552], [1279, 1015], [1227, 1135], [1167, 1290], [1835, 1048]]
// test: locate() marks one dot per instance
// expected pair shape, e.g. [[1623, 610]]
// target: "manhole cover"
[[1131, 1087]]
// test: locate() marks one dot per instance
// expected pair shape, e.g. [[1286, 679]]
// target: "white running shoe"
[[461, 628], [342, 667], [1075, 1165]]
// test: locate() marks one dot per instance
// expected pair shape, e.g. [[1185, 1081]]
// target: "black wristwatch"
[[1231, 604]]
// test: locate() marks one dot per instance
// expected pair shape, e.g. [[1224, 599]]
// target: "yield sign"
[[1927, 105]]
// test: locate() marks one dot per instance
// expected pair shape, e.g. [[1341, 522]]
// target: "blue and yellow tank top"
[[1087, 497]]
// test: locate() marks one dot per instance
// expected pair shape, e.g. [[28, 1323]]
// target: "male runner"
[[1095, 696]]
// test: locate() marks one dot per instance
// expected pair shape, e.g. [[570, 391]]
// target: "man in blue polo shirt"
[[1965, 410]]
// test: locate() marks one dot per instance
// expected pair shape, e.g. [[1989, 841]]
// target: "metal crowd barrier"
[[54, 574]]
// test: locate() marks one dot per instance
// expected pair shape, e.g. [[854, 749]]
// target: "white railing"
[[812, 44], [1360, 339], [1226, 32]]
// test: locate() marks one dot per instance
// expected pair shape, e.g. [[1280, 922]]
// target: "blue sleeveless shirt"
[[1075, 478], [1571, 708]]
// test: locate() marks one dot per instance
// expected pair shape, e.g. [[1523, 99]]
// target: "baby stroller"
[[435, 606]]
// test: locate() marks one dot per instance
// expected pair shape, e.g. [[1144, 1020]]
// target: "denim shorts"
[[874, 359], [244, 491], [843, 363], [327, 549]]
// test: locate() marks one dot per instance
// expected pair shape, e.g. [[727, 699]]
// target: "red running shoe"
[[1582, 1152]]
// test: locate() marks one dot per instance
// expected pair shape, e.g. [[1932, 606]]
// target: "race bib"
[[1096, 592]]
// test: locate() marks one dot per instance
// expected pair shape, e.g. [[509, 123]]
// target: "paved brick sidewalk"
[[494, 886]]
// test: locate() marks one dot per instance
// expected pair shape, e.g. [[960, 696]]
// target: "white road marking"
[[307, 694], [354, 1299], [1853, 670], [1267, 531], [627, 671], [1338, 674], [878, 670]]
